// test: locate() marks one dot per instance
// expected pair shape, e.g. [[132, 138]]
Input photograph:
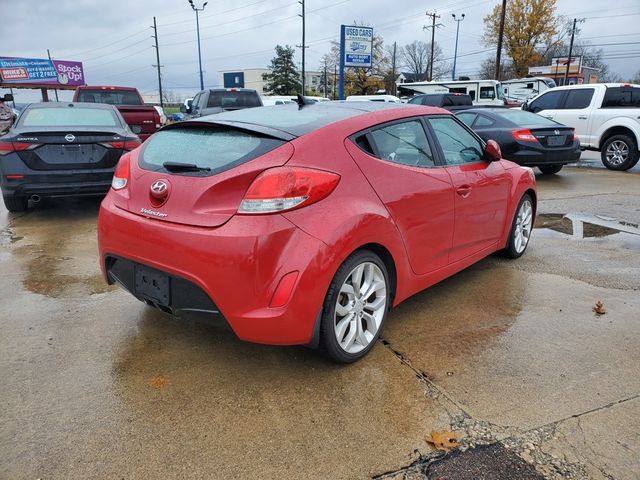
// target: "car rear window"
[[231, 99], [112, 97], [217, 148], [69, 117], [520, 117]]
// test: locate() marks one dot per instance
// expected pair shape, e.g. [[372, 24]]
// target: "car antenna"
[[302, 101]]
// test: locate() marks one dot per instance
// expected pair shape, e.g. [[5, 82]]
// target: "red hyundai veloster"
[[306, 224]]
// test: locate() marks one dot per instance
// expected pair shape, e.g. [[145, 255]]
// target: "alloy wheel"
[[524, 222], [617, 152], [360, 307]]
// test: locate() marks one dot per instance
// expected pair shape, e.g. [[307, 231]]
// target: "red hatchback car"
[[305, 225]]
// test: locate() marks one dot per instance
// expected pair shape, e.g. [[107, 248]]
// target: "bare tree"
[[488, 69], [415, 58]]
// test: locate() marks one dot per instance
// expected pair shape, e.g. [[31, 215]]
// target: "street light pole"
[[197, 10], [455, 54]]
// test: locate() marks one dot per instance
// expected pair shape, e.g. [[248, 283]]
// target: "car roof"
[[95, 106], [292, 120]]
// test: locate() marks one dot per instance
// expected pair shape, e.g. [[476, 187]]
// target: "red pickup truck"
[[143, 119]]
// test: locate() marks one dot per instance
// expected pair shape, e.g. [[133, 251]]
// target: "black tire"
[[626, 160], [329, 343], [512, 251], [550, 169], [15, 203]]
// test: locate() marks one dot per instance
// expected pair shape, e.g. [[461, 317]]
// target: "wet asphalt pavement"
[[507, 353]]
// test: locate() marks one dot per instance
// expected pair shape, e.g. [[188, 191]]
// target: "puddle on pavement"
[[7, 237], [594, 228]]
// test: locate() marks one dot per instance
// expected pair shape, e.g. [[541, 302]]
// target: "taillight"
[[127, 145], [121, 174], [524, 135], [9, 147], [286, 188], [575, 137]]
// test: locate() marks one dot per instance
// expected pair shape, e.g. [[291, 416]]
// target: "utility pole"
[[335, 78], [157, 47], [393, 69], [455, 55], [500, 35], [433, 35], [325, 81], [197, 10], [303, 46], [573, 32], [55, 89]]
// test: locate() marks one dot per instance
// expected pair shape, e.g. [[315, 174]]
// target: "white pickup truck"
[[606, 118]]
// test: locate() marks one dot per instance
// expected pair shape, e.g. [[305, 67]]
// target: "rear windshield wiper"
[[184, 167]]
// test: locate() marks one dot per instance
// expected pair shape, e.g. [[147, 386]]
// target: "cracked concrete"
[[505, 353]]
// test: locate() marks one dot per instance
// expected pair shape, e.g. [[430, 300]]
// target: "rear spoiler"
[[247, 127]]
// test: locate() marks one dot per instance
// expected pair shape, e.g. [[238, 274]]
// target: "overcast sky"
[[112, 38]]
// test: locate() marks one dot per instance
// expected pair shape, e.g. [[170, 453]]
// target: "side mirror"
[[492, 151], [525, 106], [183, 109], [8, 98]]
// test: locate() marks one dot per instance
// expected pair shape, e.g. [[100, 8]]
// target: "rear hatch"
[[72, 150], [206, 169]]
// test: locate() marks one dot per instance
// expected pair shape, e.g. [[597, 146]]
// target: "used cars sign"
[[357, 46]]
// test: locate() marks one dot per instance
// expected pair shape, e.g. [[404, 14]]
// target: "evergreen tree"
[[284, 78]]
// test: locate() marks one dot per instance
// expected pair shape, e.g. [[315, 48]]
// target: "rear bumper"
[[530, 157], [51, 182], [237, 267]]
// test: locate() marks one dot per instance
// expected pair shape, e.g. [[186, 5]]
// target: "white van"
[[277, 100], [482, 92], [373, 98], [523, 89]]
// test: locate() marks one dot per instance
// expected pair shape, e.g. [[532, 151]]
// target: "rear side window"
[[231, 99], [467, 118], [547, 101], [579, 98], [69, 117], [484, 121], [215, 148], [621, 97], [112, 97]]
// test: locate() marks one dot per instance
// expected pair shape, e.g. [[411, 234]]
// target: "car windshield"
[[520, 117], [69, 117], [213, 149], [112, 97]]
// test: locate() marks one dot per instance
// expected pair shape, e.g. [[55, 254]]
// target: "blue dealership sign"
[[357, 45]]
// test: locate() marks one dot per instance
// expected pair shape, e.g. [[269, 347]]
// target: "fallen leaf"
[[599, 308], [157, 382], [444, 441]]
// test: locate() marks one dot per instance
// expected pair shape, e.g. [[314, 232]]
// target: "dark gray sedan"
[[61, 149]]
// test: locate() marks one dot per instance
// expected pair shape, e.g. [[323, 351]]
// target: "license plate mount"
[[556, 140], [152, 285]]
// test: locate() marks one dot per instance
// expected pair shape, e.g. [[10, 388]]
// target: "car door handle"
[[582, 117], [463, 191]]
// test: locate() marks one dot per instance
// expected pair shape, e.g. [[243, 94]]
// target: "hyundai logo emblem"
[[69, 138], [159, 188]]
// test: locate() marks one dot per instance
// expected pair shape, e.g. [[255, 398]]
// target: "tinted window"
[[112, 97], [216, 148], [579, 98], [467, 118], [620, 97], [404, 143], [483, 121], [231, 99], [429, 100], [522, 118], [69, 117], [547, 101], [458, 145], [487, 93]]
